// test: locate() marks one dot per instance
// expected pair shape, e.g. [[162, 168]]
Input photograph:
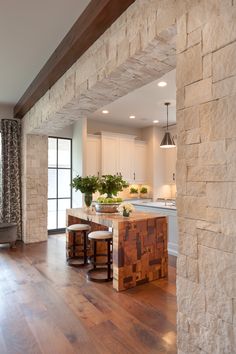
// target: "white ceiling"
[[146, 103], [30, 30]]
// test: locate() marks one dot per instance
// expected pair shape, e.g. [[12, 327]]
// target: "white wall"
[[66, 132], [6, 111], [79, 139]]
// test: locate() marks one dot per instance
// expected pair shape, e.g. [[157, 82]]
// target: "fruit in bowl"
[[107, 205]]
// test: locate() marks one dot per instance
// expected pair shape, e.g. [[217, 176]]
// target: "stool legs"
[[97, 267], [73, 250], [108, 260], [74, 243], [94, 254], [85, 248]]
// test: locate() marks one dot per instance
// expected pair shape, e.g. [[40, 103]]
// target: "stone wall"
[[206, 178], [34, 187]]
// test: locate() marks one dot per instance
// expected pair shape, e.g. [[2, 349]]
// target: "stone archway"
[[206, 169]]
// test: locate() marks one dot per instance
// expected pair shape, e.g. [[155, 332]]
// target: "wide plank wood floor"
[[49, 307]]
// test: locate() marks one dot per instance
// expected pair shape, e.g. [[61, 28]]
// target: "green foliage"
[[133, 190], [111, 185], [143, 190], [88, 184]]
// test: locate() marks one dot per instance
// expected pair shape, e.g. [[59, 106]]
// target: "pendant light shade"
[[167, 142]]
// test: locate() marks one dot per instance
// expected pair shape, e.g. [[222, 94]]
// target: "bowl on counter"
[[106, 207]]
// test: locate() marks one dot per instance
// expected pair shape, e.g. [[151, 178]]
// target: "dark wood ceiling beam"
[[93, 22]]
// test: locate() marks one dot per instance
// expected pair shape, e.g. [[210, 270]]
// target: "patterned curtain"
[[11, 172]]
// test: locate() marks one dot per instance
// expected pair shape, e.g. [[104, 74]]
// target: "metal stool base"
[[72, 261], [98, 270]]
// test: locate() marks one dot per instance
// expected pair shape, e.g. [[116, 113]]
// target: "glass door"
[[59, 182]]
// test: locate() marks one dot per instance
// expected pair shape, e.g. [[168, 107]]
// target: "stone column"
[[206, 178], [34, 187]]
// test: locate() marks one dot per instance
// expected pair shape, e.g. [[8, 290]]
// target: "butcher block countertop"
[[139, 244], [109, 220]]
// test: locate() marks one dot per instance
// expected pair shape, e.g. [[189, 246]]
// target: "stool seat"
[[100, 235], [74, 247], [79, 227]]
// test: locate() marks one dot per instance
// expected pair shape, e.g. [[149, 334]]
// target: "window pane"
[[63, 204], [0, 170], [52, 214], [64, 154], [64, 180], [52, 152], [52, 183]]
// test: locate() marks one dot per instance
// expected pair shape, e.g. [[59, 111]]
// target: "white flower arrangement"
[[126, 207]]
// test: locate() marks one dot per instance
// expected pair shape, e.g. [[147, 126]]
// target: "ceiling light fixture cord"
[[167, 109]]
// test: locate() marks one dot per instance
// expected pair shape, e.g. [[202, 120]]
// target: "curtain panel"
[[11, 173]]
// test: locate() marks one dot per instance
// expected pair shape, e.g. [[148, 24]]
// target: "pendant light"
[[167, 142]]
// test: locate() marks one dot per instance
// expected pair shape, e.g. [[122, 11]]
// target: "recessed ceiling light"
[[162, 84], [155, 121], [132, 117], [105, 111]]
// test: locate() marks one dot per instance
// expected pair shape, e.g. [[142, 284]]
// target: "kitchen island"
[[139, 244]]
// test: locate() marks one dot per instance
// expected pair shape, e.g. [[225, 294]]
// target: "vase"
[[126, 213], [88, 198]]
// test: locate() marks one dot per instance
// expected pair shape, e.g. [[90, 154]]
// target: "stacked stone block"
[[34, 187], [206, 183]]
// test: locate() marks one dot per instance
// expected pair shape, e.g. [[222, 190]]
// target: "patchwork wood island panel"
[[139, 244]]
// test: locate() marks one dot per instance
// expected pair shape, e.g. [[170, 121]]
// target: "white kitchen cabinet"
[[109, 154], [118, 155], [93, 155], [126, 158], [140, 162], [170, 165], [113, 154]]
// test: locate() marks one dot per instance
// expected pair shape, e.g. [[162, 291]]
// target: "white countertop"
[[163, 205]]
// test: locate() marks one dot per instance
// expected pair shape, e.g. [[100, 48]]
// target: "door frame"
[[61, 230]]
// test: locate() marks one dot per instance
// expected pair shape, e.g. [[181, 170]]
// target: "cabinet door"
[[110, 145], [170, 165], [93, 157], [140, 162], [126, 158]]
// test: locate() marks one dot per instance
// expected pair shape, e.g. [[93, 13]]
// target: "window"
[[59, 182], [0, 170]]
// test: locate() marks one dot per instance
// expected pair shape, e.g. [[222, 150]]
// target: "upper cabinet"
[[126, 157], [93, 155], [109, 154], [117, 154], [170, 165], [140, 162]]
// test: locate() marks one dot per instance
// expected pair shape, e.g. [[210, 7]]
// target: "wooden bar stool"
[[72, 248], [100, 236]]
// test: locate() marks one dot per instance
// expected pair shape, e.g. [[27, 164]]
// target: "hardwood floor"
[[49, 307]]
